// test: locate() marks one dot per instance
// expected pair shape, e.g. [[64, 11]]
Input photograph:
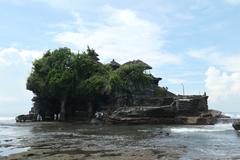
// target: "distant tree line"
[[65, 82]]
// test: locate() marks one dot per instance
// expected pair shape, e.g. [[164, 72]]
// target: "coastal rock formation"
[[155, 104], [24, 118], [236, 125], [191, 110], [128, 92]]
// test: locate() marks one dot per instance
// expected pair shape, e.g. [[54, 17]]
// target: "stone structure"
[[236, 125], [155, 104], [146, 66], [152, 104], [180, 110], [191, 105], [114, 64]]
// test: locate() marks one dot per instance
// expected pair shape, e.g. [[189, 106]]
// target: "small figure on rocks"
[[99, 115], [39, 117], [55, 116], [58, 117]]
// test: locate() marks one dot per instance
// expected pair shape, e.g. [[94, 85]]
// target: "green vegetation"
[[66, 82]]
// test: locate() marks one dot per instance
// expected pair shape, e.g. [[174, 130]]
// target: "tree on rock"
[[66, 82], [92, 53], [53, 77], [70, 79]]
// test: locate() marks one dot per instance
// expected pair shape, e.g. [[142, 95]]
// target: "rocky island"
[[76, 86]]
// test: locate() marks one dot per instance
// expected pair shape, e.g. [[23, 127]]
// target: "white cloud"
[[222, 85], [228, 62], [203, 53], [122, 35], [15, 67], [223, 77], [233, 2], [11, 55]]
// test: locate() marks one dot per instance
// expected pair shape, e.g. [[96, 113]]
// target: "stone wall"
[[165, 107], [191, 105], [151, 101]]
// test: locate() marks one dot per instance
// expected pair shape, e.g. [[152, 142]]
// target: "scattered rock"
[[8, 140], [236, 125]]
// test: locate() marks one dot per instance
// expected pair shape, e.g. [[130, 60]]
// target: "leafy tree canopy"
[[62, 78]]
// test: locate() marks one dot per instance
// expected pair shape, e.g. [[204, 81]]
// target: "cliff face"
[[189, 106], [183, 110], [155, 101], [155, 104]]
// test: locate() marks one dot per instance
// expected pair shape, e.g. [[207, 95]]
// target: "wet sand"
[[73, 154], [73, 141], [77, 141]]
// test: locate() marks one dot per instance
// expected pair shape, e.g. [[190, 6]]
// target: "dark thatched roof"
[[139, 62], [113, 63]]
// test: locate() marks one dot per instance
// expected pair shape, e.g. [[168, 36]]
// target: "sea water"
[[10, 136], [218, 141]]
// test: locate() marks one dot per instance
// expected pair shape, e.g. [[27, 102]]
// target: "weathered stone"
[[147, 104], [191, 105], [145, 111], [24, 118], [161, 115], [236, 125], [114, 64]]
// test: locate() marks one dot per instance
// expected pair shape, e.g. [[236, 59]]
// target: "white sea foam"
[[214, 128], [232, 115]]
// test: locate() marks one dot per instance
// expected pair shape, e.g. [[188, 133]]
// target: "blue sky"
[[194, 42]]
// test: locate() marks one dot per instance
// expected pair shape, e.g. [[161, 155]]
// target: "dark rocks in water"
[[226, 120], [144, 111], [24, 118], [176, 120], [224, 116], [168, 114], [236, 125], [8, 140]]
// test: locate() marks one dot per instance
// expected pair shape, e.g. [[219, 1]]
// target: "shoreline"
[[72, 149], [58, 141]]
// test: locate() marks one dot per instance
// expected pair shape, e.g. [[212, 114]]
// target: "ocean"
[[218, 141]]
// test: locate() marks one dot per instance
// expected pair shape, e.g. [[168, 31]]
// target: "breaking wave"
[[214, 128], [232, 115]]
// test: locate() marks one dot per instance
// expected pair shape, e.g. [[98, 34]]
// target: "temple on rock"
[[154, 95], [147, 104], [154, 102]]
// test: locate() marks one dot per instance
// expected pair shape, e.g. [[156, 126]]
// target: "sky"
[[190, 42]]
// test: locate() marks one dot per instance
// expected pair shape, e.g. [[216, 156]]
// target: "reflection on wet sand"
[[51, 140]]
